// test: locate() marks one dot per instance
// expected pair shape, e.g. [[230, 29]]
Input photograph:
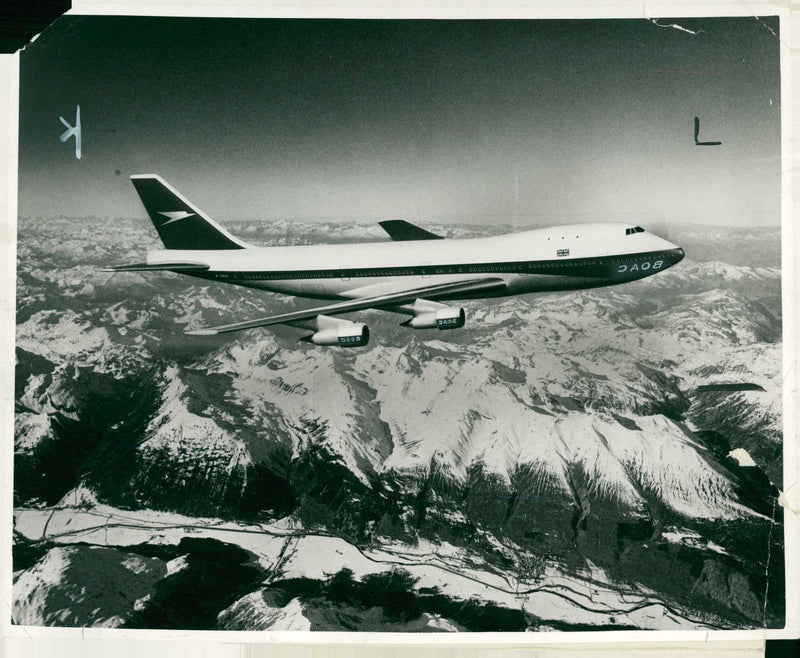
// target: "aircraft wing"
[[360, 303], [402, 231]]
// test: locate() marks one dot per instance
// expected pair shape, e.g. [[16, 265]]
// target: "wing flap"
[[376, 301]]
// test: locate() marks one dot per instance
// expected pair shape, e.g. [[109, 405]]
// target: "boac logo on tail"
[[175, 215]]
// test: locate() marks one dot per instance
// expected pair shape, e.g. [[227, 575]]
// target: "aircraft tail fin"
[[180, 224]]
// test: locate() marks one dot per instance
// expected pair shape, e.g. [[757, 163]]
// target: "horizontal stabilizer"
[[400, 230], [160, 267]]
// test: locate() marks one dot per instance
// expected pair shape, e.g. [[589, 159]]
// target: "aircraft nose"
[[674, 250]]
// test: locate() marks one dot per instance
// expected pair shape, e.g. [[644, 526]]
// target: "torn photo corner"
[[556, 395]]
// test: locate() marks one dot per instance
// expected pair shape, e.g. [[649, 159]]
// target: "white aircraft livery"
[[414, 274]]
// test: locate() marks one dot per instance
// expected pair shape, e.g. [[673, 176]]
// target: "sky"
[[510, 121]]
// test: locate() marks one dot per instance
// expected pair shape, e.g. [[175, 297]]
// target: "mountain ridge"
[[552, 432]]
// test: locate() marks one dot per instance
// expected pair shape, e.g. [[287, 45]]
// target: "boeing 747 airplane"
[[415, 274]]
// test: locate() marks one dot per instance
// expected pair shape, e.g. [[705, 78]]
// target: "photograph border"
[[790, 497]]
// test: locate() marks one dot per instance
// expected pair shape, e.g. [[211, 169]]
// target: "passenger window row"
[[498, 267]]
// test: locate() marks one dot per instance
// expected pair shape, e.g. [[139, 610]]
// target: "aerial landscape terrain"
[[588, 460]]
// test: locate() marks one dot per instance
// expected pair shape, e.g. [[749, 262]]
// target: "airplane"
[[697, 134], [416, 273]]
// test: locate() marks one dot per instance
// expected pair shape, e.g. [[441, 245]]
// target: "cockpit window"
[[638, 229], [635, 229]]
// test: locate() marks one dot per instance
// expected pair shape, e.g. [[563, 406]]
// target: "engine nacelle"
[[333, 331], [430, 315]]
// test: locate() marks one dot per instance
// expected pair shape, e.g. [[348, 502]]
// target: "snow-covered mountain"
[[581, 437]]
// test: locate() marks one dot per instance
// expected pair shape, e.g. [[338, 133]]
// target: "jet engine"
[[334, 331], [429, 315]]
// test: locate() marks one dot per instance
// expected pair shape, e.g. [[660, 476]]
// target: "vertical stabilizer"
[[180, 225]]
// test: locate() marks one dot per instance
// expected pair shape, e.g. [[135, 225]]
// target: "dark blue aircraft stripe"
[[600, 267]]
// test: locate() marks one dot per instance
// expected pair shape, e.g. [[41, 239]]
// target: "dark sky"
[[477, 121]]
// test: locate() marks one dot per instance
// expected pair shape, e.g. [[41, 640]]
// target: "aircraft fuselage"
[[556, 258]]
